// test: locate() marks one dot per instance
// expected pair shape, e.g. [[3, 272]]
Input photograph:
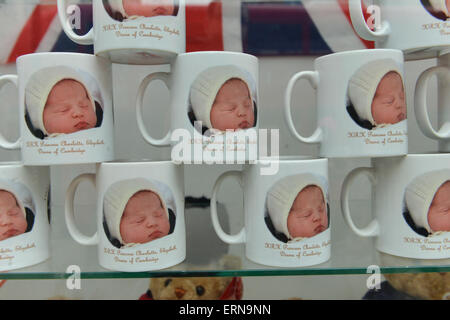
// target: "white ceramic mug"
[[24, 215], [140, 215], [287, 217], [410, 204], [361, 104], [420, 28], [132, 32], [65, 109], [442, 72], [211, 94]]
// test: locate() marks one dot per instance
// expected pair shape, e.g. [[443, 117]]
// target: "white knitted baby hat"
[[117, 6], [39, 87], [205, 88], [20, 193], [439, 6], [364, 83], [116, 199], [420, 193], [282, 195]]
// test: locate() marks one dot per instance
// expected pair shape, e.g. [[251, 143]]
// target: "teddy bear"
[[199, 288], [195, 288], [429, 286]]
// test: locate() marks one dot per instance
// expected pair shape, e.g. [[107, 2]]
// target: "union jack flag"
[[307, 27]]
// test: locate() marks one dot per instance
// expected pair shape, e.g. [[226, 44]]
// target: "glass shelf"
[[350, 255]]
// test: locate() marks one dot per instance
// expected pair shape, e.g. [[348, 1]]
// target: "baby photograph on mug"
[[138, 211], [376, 95], [440, 9], [297, 208], [17, 209], [223, 98], [427, 203], [60, 101], [125, 10]]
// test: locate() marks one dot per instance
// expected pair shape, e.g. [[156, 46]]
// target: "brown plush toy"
[[429, 285], [199, 288], [202, 288]]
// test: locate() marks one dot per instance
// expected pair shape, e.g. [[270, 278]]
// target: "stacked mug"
[[362, 112], [67, 118]]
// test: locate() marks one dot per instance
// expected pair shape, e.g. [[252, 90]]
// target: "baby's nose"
[[242, 110], [150, 223], [316, 216], [77, 112]]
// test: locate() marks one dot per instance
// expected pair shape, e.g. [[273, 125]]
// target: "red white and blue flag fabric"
[[306, 27]]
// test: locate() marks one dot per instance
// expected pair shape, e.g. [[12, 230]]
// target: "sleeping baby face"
[[12, 218], [389, 104], [148, 8], [233, 107], [144, 219], [68, 108], [308, 214], [439, 211]]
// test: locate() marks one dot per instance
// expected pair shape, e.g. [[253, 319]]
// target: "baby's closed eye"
[[302, 214], [158, 213], [139, 219], [228, 107], [63, 109], [85, 103], [388, 100]]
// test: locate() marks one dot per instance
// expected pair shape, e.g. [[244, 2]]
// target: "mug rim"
[[122, 162], [360, 51], [291, 159], [415, 156], [46, 54], [13, 163], [221, 53]]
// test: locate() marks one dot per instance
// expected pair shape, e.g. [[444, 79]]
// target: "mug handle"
[[164, 76], [3, 142], [372, 229], [70, 213], [360, 25], [420, 103], [313, 78], [86, 39], [238, 238]]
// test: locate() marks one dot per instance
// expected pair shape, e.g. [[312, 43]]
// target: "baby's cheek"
[[166, 226], [56, 124], [251, 117], [325, 218], [93, 119], [295, 226], [438, 221], [23, 224]]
